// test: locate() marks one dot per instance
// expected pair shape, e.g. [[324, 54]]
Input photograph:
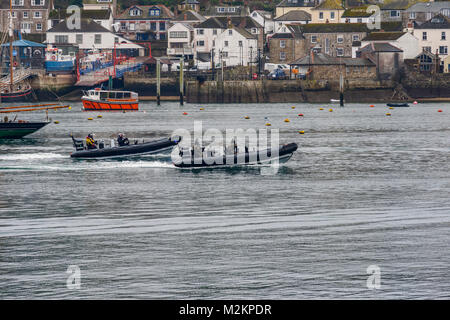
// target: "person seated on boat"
[[122, 140], [90, 142]]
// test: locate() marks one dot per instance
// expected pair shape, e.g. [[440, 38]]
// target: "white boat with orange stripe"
[[110, 100]]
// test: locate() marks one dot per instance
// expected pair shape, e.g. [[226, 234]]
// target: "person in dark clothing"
[[122, 140]]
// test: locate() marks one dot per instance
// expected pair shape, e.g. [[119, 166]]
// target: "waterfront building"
[[287, 44], [434, 36], [91, 36], [236, 46], [180, 40], [29, 16], [388, 58], [143, 23], [407, 42], [328, 11]]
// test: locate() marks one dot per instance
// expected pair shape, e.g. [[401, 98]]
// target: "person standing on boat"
[[122, 140], [90, 142]]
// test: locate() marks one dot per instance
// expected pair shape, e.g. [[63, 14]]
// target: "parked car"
[[277, 74]]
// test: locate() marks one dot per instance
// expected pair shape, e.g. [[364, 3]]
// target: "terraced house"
[[145, 22], [287, 45], [328, 11], [29, 16]]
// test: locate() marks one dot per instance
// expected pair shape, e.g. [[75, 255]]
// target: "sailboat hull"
[[17, 130], [18, 96]]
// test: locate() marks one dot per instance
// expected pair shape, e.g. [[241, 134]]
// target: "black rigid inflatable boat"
[[123, 151], [397, 105], [186, 160]]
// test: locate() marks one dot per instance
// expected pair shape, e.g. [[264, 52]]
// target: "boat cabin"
[[106, 95]]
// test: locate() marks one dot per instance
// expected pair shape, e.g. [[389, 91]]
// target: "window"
[[412, 15], [225, 54], [123, 26], [200, 31], [230, 32], [427, 49], [240, 43], [116, 39], [79, 38], [37, 2], [395, 13], [225, 44], [61, 39], [321, 15], [200, 43], [332, 15], [178, 34], [131, 27], [38, 26], [135, 12], [25, 14], [162, 26], [339, 52], [37, 14], [355, 37], [254, 30], [214, 32], [443, 35], [282, 55], [424, 35], [359, 20], [162, 36], [313, 39], [154, 12], [17, 3], [214, 43], [153, 26], [282, 43], [14, 14], [340, 38], [443, 50], [98, 39]]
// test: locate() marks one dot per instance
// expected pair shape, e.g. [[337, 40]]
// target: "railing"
[[180, 51]]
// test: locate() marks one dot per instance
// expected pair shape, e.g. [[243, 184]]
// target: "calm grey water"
[[363, 189]]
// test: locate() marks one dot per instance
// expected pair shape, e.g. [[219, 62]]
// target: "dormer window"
[[154, 12], [135, 12], [37, 2]]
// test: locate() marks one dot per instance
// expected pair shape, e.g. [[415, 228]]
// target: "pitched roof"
[[222, 23], [357, 62], [429, 6], [380, 47], [87, 25], [330, 5], [324, 59], [334, 27], [398, 4], [24, 43], [360, 12], [213, 12], [165, 12], [296, 3], [244, 33], [295, 15], [88, 14], [189, 15], [438, 22], [382, 36]]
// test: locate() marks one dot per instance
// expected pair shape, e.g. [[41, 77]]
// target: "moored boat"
[[55, 61], [110, 100], [396, 105], [19, 129], [113, 151], [188, 159]]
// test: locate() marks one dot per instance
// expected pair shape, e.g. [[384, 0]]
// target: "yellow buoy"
[[293, 107], [320, 108], [392, 108], [301, 132], [331, 110], [90, 119], [246, 117], [388, 114], [287, 120], [70, 108], [56, 122], [268, 124], [202, 109], [99, 116]]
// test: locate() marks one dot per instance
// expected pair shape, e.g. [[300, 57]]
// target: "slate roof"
[[437, 22], [296, 3], [324, 59], [382, 36], [380, 47], [87, 25], [358, 12], [189, 15], [165, 13], [434, 7], [295, 15], [244, 33], [212, 11], [88, 14], [330, 5], [398, 4], [222, 23], [334, 27]]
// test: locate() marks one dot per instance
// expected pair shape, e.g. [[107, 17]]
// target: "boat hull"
[[20, 96], [17, 130], [59, 66], [285, 152], [398, 105], [93, 105], [126, 151]]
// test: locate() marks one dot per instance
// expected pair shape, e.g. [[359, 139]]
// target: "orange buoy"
[[246, 117], [372, 106], [185, 113], [287, 120], [440, 110]]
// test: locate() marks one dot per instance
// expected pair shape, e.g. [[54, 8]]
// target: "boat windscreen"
[[126, 95], [103, 95]]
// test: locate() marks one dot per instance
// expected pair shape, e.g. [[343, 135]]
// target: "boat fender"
[[53, 57]]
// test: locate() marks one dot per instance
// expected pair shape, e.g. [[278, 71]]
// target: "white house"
[[292, 17], [265, 19], [402, 40], [236, 46], [434, 35], [89, 36], [358, 15], [205, 35], [180, 39]]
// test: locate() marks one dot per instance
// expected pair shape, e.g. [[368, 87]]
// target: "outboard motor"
[[101, 144]]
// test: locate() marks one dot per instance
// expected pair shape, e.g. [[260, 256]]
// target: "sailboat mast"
[[11, 34]]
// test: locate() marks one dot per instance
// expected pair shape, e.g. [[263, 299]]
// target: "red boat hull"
[[91, 105]]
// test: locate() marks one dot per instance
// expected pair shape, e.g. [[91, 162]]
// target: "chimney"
[[230, 25], [185, 17]]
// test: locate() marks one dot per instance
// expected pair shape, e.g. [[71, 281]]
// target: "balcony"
[[179, 51]]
